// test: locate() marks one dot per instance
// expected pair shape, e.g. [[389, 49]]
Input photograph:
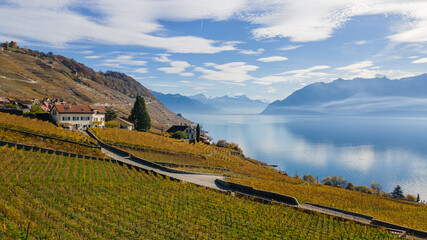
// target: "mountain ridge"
[[339, 96]]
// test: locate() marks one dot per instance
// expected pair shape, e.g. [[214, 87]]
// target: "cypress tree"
[[418, 197], [139, 115], [198, 133]]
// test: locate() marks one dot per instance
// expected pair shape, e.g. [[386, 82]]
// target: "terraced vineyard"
[[222, 161], [42, 127], [74, 198]]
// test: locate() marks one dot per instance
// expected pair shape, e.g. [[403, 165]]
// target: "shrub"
[[36, 109], [363, 189], [224, 144], [309, 178], [411, 198], [179, 135], [112, 124], [11, 105], [350, 186]]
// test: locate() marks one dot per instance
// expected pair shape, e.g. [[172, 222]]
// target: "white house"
[[124, 123], [79, 116], [188, 130]]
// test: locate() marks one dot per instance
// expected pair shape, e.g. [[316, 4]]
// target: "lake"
[[390, 151]]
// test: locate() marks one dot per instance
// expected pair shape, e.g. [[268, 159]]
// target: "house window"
[[65, 118], [95, 119], [84, 118], [75, 118]]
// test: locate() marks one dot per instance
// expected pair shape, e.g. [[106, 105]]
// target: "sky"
[[264, 49]]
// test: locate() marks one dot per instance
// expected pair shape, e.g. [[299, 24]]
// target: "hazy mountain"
[[183, 104], [237, 105], [406, 96]]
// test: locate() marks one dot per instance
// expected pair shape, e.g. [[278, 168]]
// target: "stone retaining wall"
[[255, 192], [369, 218]]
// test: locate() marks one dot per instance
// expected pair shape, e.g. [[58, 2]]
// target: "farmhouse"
[[191, 132], [124, 123], [79, 116]]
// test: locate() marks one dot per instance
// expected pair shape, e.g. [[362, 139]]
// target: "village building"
[[79, 116], [4, 101], [124, 123], [191, 132]]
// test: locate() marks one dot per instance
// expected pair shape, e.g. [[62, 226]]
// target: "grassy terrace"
[[220, 160], [73, 198]]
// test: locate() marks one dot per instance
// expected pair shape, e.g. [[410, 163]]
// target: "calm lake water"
[[390, 151]]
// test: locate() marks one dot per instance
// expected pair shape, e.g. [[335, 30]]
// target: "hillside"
[[406, 96], [28, 74]]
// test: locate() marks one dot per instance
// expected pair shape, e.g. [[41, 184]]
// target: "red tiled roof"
[[73, 108], [100, 109], [127, 122]]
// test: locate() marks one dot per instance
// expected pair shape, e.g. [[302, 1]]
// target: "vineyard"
[[60, 197], [221, 161], [42, 127], [28, 139]]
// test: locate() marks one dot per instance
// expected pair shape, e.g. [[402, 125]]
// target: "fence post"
[[28, 229]]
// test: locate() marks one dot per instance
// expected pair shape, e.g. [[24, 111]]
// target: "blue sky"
[[264, 49]]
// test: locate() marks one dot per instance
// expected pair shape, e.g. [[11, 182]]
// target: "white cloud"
[[271, 90], [162, 58], [124, 60], [412, 57], [140, 70], [132, 22], [314, 20], [294, 75], [233, 72], [355, 66], [360, 42], [251, 52], [272, 59], [86, 52], [92, 57], [302, 72], [421, 60], [187, 82], [289, 47], [175, 67], [187, 74]]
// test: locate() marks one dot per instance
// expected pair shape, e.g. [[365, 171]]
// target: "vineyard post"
[[28, 229]]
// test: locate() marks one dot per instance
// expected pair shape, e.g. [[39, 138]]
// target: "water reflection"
[[389, 151]]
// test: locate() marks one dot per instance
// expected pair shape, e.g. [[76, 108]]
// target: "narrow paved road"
[[205, 180]]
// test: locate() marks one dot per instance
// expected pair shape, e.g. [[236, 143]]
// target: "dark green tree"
[[418, 197], [139, 115], [198, 133], [179, 135], [397, 192], [350, 186], [110, 114]]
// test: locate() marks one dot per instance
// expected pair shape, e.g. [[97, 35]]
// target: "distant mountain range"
[[201, 104], [376, 96]]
